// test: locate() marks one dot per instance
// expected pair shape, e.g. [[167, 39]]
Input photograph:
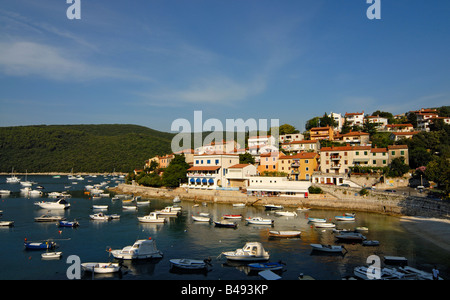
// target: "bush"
[[315, 190], [364, 192]]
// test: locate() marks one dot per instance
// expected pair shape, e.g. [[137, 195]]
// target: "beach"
[[436, 231]]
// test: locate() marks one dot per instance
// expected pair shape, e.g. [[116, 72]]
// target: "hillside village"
[[336, 149]]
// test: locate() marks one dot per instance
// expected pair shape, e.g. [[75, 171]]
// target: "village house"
[[354, 138], [338, 119], [268, 162], [321, 133], [355, 119], [291, 137], [380, 122], [277, 186], [218, 147], [399, 128], [397, 136], [299, 166], [300, 146], [238, 175]]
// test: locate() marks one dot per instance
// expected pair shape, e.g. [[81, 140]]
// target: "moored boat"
[[51, 255], [252, 251], [325, 225], [201, 218], [6, 223], [284, 233], [100, 268], [259, 221], [141, 249], [286, 213], [317, 220], [350, 236], [344, 218], [100, 216], [232, 216], [272, 206], [273, 266], [151, 218], [188, 264], [48, 218], [328, 248], [39, 245], [63, 223], [60, 204], [225, 223]]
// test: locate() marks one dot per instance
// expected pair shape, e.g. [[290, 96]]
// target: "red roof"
[[239, 166], [301, 155]]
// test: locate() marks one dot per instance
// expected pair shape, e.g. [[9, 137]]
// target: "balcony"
[[337, 166], [335, 157]]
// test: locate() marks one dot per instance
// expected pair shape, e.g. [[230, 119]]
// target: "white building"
[[238, 175], [338, 119], [291, 137], [277, 186], [355, 119]]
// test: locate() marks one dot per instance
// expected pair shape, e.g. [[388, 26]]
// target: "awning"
[[192, 180], [211, 180], [204, 180], [198, 180]]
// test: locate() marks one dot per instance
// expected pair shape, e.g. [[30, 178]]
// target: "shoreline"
[[434, 230]]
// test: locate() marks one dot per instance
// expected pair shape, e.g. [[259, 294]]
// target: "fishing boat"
[[60, 204], [325, 225], [6, 223], [225, 223], [284, 233], [350, 236], [5, 192], [238, 204], [188, 264], [252, 251], [100, 268], [344, 218], [317, 220], [272, 207], [141, 249], [273, 266], [201, 218], [151, 218], [328, 248], [99, 206], [48, 218], [51, 255], [176, 199], [259, 221], [395, 260], [100, 216], [232, 216], [39, 245], [167, 211], [68, 223], [286, 213], [129, 207]]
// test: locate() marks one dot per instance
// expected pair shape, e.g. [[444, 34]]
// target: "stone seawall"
[[344, 198]]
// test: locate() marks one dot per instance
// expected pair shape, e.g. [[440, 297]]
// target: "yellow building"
[[300, 166], [321, 133]]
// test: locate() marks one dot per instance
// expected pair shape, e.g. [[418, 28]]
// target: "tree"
[[438, 170], [175, 173], [397, 167], [287, 129], [346, 127], [311, 123], [246, 158]]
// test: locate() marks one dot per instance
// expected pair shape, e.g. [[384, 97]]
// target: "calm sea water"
[[181, 237]]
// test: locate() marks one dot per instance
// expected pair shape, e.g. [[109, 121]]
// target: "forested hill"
[[85, 148]]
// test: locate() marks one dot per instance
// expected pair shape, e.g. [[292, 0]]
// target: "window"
[[306, 161], [208, 161], [196, 162], [365, 152], [402, 152], [201, 161], [393, 152], [374, 162], [217, 161], [307, 168], [357, 153], [267, 167], [384, 161]]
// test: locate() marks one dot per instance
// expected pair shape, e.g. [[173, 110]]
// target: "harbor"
[[182, 237]]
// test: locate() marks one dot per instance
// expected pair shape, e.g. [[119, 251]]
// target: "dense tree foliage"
[[83, 148]]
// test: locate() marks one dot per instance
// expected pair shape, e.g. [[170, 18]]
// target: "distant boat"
[[176, 199], [100, 216], [232, 216], [284, 233], [259, 221], [252, 251], [5, 192], [68, 223], [51, 255], [201, 219], [99, 206], [350, 236], [141, 249], [328, 248], [60, 204], [286, 213], [272, 207], [188, 264], [238, 204], [273, 266], [344, 218], [100, 268], [225, 223], [151, 218], [6, 223], [39, 245], [325, 225], [13, 178], [317, 220], [48, 218]]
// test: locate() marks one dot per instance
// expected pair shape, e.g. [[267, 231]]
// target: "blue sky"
[[149, 62]]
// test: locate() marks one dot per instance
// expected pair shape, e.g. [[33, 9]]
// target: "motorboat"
[[68, 223], [259, 221], [39, 245], [201, 218], [99, 206], [188, 264], [5, 192], [6, 223], [350, 236], [317, 220], [395, 260], [100, 216], [344, 218], [252, 251], [238, 204], [51, 255], [151, 218], [60, 204], [286, 213], [273, 266], [176, 199], [141, 249], [30, 192], [129, 207], [100, 268], [232, 216], [391, 273], [284, 233], [48, 218], [272, 207], [167, 211], [225, 223], [328, 248], [325, 225]]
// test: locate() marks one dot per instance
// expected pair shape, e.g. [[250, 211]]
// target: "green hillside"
[[85, 148]]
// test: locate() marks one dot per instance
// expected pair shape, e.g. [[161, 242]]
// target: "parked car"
[[390, 191], [345, 185]]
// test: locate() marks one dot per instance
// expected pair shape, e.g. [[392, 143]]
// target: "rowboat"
[[344, 218], [225, 223], [232, 216], [361, 228], [48, 218], [327, 248], [325, 225], [6, 223], [100, 268], [151, 218], [285, 233], [273, 266], [350, 236], [238, 204], [99, 206], [252, 251], [201, 219], [371, 243], [317, 220], [188, 264], [51, 255], [259, 221]]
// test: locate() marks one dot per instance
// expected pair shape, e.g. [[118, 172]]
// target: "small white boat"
[[362, 228], [328, 248], [232, 216], [286, 213], [142, 203], [5, 192], [129, 207], [60, 204], [350, 236], [99, 206], [325, 225], [51, 255], [48, 218], [272, 207], [188, 264], [259, 221], [100, 216], [6, 223], [167, 212], [101, 268], [201, 219], [284, 233], [141, 249], [238, 204], [303, 209], [252, 251], [176, 199], [344, 218], [317, 220], [151, 218]]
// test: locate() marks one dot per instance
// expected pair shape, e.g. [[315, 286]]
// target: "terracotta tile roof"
[[354, 133], [239, 166], [397, 147], [301, 155]]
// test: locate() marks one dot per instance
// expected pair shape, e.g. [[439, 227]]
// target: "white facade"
[[355, 118], [278, 186], [338, 119]]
